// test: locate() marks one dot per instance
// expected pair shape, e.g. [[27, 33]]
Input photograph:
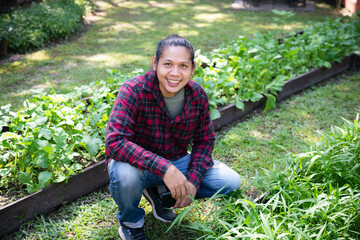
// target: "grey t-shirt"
[[175, 104]]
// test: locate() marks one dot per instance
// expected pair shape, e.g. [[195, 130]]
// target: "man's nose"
[[175, 71]]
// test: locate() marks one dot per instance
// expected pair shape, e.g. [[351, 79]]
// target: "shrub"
[[32, 28]]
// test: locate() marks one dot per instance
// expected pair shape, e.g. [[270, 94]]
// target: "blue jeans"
[[127, 183]]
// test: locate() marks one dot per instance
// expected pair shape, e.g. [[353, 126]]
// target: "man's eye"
[[184, 66], [167, 64]]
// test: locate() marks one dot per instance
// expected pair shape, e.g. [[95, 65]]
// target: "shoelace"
[[138, 233]]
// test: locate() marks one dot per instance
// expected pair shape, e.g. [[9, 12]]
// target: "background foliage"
[[31, 28]]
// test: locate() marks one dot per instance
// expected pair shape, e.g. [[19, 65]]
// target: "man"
[[155, 119]]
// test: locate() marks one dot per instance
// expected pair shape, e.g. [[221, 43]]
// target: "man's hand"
[[177, 183], [180, 203]]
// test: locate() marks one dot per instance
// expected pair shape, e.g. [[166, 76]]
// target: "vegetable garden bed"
[[231, 113], [95, 176]]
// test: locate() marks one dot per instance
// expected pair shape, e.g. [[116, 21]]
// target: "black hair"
[[176, 41]]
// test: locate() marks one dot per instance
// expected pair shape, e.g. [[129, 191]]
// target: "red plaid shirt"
[[140, 131]]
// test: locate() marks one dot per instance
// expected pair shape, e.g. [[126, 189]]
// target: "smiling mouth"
[[174, 82]]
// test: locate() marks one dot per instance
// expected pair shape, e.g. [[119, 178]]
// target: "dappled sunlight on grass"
[[165, 5], [39, 56], [190, 33], [232, 138], [211, 17], [112, 60], [208, 8], [259, 136], [98, 58], [120, 26]]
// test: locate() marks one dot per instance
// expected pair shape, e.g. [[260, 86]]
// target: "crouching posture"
[[155, 119]]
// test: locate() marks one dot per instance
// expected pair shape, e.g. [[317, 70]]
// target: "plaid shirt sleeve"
[[203, 144], [119, 131]]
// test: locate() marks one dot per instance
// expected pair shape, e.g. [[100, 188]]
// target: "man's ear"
[[154, 63], [194, 67]]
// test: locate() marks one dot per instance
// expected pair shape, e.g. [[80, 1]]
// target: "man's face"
[[174, 69]]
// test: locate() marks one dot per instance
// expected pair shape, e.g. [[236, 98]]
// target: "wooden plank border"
[[52, 197]]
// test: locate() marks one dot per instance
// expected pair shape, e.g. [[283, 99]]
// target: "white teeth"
[[172, 81]]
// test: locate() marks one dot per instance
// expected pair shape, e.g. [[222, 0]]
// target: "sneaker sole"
[[121, 233], [147, 196]]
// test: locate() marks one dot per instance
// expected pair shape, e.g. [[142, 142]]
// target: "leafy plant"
[[316, 196], [55, 135], [5, 26], [248, 70]]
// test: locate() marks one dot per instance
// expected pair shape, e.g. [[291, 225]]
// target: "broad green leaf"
[[24, 178], [327, 64], [270, 102], [79, 126], [44, 177], [31, 189], [93, 143], [76, 167], [59, 178], [4, 172], [95, 119], [46, 133], [256, 97], [254, 50], [42, 161], [9, 135], [104, 118], [60, 138], [70, 122], [48, 149], [200, 80], [240, 105], [41, 121], [43, 143], [215, 114]]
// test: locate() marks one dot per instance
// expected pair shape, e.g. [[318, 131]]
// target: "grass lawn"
[[124, 34], [248, 145]]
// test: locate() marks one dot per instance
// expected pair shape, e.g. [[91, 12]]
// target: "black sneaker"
[[160, 213], [127, 233]]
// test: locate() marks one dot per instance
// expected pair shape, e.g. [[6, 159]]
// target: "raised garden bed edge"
[[13, 215]]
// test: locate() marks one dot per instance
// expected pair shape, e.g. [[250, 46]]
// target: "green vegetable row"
[[249, 69], [56, 135]]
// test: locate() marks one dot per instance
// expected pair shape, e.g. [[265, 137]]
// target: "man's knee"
[[231, 179], [123, 175], [234, 183]]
